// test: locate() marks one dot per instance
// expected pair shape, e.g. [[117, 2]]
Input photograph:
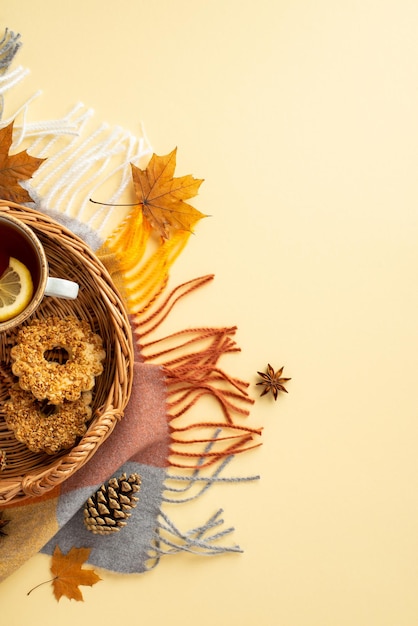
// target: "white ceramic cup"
[[17, 239]]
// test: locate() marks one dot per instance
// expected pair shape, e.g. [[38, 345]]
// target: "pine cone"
[[108, 509]]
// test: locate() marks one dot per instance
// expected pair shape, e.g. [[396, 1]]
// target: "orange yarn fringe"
[[144, 278], [190, 358]]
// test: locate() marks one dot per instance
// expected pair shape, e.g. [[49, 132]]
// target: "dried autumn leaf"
[[68, 573], [14, 169], [162, 197]]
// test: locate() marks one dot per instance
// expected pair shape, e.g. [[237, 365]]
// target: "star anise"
[[272, 381], [3, 523]]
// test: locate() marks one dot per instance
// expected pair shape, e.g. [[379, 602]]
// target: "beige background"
[[302, 118]]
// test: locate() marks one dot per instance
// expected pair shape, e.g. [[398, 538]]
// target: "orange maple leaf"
[[15, 168], [162, 197], [68, 573]]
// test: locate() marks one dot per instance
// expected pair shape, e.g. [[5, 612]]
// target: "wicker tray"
[[28, 474]]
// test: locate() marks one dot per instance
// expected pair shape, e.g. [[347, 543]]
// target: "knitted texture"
[[177, 455]]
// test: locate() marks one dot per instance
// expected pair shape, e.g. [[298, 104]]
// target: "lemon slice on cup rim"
[[16, 289]]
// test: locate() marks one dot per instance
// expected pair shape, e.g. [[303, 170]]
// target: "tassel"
[[144, 279], [212, 457], [169, 540], [9, 45], [198, 482], [146, 325]]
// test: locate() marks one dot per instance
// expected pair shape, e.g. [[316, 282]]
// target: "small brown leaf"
[[14, 169], [162, 197], [68, 573]]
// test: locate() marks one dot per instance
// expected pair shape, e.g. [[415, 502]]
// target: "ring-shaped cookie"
[[51, 380], [44, 427]]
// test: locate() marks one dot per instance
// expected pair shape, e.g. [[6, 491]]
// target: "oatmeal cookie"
[[46, 378], [45, 427]]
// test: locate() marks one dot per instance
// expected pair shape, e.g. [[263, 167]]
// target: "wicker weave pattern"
[[28, 474]]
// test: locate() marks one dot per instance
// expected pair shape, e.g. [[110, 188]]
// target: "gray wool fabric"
[[125, 551]]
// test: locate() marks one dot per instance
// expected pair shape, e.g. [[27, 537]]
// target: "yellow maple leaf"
[[15, 168], [68, 573], [162, 197]]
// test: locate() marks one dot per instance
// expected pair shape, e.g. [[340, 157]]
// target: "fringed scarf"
[[162, 438]]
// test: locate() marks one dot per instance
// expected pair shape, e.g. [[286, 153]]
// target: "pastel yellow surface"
[[302, 118]]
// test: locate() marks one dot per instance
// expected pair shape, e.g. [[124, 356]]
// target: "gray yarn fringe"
[[9, 46]]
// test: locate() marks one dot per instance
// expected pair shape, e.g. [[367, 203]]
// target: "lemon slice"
[[16, 289]]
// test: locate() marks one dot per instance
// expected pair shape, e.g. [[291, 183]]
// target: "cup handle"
[[61, 288]]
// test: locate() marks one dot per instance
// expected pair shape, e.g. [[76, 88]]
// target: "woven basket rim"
[[41, 480]]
